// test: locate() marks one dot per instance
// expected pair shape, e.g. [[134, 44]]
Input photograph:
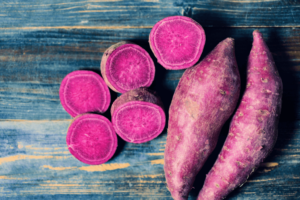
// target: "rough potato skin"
[[105, 56], [204, 99], [253, 130], [140, 94]]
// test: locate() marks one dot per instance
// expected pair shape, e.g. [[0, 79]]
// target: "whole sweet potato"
[[204, 99], [253, 130]]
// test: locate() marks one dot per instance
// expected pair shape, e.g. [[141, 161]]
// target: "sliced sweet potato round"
[[138, 116], [177, 42], [126, 66], [91, 139], [84, 91]]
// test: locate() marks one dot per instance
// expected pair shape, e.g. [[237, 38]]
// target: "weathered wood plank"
[[41, 42], [33, 63], [103, 14], [35, 163]]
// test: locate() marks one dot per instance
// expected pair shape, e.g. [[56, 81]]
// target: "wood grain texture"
[[36, 163], [118, 14], [34, 63], [42, 41]]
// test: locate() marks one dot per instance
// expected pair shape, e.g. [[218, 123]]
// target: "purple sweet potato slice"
[[253, 129], [203, 101], [177, 42], [138, 116], [84, 91], [91, 139], [126, 66]]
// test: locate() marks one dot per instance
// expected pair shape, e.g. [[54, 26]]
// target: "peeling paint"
[[104, 167], [58, 168], [269, 164], [21, 157], [158, 162], [155, 154]]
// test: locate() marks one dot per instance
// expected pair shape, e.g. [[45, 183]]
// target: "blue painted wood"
[[35, 163], [42, 41], [33, 63], [17, 14]]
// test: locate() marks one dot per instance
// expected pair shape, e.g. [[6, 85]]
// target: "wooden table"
[[42, 41]]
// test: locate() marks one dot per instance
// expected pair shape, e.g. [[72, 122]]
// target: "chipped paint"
[[92, 168], [90, 11], [155, 154], [269, 164], [36, 121], [104, 167], [58, 168], [20, 145], [251, 1], [262, 180], [158, 162], [12, 178], [44, 148], [21, 157], [59, 185], [54, 152], [77, 27], [150, 176]]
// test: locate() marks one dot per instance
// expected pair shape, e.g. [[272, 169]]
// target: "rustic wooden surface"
[[42, 41]]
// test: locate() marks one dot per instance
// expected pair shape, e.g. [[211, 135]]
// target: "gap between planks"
[[35, 121], [132, 27]]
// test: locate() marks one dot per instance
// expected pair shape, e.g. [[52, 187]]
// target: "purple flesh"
[[84, 91], [126, 66], [138, 116], [177, 42], [92, 139]]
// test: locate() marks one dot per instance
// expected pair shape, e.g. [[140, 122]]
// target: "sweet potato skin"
[[156, 52], [140, 94], [150, 123], [204, 99], [144, 66], [105, 56], [253, 130]]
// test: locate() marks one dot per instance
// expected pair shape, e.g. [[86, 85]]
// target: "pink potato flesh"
[[127, 66], [84, 91], [138, 116], [253, 129], [177, 42], [140, 94], [91, 139], [138, 122], [204, 99]]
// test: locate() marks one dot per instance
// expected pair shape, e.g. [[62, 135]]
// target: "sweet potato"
[[177, 42], [138, 116], [84, 91], [91, 139], [204, 99], [253, 129], [126, 66]]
